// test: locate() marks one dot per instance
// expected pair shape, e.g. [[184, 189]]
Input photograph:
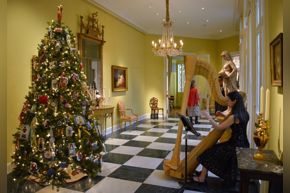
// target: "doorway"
[[176, 81]]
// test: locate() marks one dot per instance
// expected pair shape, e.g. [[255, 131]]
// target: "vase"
[[261, 137]]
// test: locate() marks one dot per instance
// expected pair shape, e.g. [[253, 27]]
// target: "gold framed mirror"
[[90, 44]]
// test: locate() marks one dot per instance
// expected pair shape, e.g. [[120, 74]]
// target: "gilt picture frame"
[[119, 79], [276, 60]]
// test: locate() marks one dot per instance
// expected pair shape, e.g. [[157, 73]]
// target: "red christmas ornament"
[[21, 117], [43, 99], [81, 66]]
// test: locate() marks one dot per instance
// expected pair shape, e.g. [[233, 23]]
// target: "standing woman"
[[192, 103], [221, 159]]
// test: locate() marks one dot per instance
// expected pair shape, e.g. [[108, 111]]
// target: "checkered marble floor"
[[134, 163]]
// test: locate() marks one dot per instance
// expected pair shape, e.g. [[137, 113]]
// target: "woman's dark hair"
[[238, 110], [192, 83]]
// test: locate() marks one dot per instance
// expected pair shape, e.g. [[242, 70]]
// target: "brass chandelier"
[[166, 45]]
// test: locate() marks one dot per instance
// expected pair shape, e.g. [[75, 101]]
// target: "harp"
[[176, 167]]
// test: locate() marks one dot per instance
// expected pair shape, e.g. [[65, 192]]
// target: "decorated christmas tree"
[[57, 141]]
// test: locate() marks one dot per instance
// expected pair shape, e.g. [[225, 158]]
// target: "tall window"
[[180, 77], [259, 9]]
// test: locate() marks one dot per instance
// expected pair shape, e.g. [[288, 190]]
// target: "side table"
[[269, 169]]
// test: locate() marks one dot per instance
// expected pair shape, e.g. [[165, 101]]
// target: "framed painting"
[[119, 79], [276, 60]]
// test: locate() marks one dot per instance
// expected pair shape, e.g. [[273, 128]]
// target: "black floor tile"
[[160, 167], [154, 134], [165, 140], [110, 147], [173, 121], [131, 173], [137, 143], [142, 129], [153, 153], [202, 129], [195, 137], [124, 136], [163, 126], [146, 188], [116, 158], [172, 131]]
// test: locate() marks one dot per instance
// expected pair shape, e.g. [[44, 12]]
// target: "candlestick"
[[267, 106], [262, 100]]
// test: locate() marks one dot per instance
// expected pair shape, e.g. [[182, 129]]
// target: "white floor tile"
[[157, 130], [158, 178], [168, 124], [114, 141], [161, 146], [212, 175], [172, 119], [48, 189], [127, 150], [199, 167], [203, 133], [169, 135], [145, 126], [113, 185], [108, 168], [145, 138], [144, 162], [203, 121], [132, 132], [202, 126], [191, 142]]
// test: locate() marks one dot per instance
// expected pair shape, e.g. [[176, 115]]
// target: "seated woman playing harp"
[[221, 158]]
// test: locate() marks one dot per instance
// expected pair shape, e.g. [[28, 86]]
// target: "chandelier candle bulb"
[[181, 42]]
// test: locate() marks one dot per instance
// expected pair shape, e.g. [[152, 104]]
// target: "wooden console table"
[[270, 169], [102, 113]]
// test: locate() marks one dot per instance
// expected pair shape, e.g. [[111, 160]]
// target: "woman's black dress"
[[221, 159]]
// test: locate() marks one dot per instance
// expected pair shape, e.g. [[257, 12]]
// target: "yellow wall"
[[274, 21], [27, 22], [3, 100]]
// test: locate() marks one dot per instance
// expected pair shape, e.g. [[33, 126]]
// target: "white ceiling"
[[219, 19]]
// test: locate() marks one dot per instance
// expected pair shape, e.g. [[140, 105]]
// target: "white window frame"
[[260, 56]]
